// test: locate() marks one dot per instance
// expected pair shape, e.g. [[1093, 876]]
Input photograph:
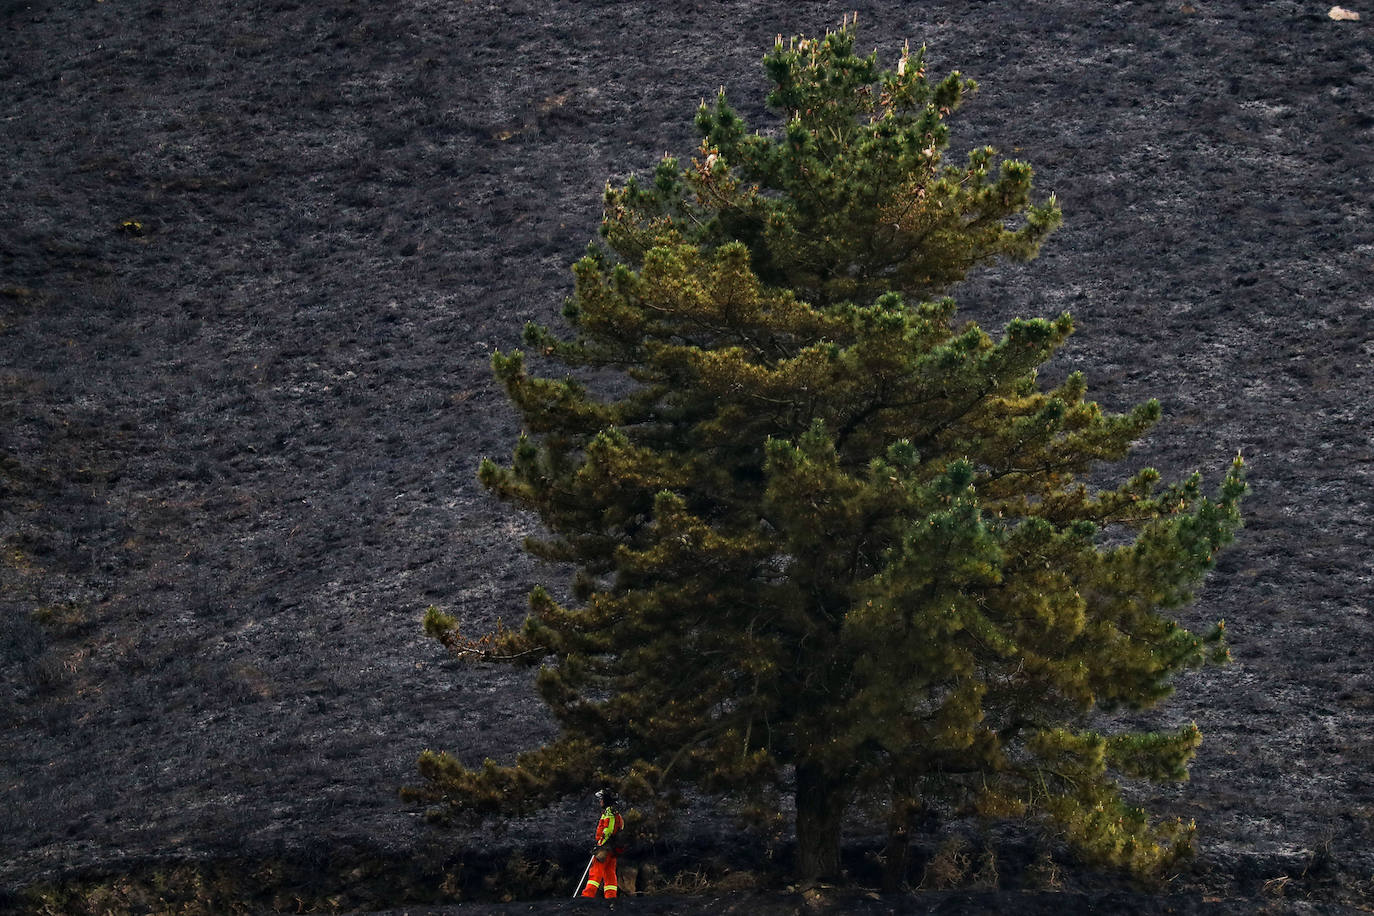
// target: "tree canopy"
[[828, 541]]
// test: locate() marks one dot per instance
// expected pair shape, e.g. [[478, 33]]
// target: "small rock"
[[1343, 15]]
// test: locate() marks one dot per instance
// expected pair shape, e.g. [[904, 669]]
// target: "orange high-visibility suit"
[[601, 876]]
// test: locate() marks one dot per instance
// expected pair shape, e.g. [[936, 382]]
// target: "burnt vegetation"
[[255, 263]]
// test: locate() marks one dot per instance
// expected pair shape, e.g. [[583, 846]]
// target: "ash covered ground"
[[255, 260]]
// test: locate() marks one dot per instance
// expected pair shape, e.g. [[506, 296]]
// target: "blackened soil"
[[256, 256]]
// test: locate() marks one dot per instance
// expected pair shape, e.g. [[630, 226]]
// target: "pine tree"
[[828, 541]]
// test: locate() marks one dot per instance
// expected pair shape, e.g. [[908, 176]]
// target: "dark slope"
[[255, 259]]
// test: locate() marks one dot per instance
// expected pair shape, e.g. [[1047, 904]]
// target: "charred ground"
[[256, 257]]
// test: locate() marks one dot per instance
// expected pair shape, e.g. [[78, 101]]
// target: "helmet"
[[605, 796]]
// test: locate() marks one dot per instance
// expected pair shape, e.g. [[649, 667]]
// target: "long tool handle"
[[583, 880]]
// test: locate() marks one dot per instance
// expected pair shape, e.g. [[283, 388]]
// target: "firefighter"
[[601, 873]]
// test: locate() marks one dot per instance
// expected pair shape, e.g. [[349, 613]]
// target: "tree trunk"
[[895, 856], [821, 802], [906, 813]]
